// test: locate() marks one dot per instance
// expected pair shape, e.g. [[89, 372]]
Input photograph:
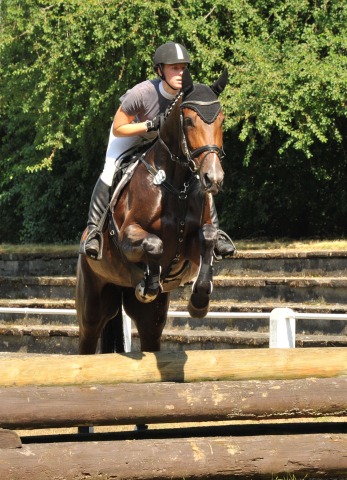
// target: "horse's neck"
[[170, 134]]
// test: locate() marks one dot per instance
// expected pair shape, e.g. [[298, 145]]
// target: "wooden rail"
[[265, 456], [189, 366], [124, 404]]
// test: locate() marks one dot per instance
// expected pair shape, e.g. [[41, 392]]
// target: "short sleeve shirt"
[[144, 101]]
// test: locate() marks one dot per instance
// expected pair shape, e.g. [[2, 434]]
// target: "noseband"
[[186, 150]]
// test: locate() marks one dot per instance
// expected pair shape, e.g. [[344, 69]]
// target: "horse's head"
[[201, 120]]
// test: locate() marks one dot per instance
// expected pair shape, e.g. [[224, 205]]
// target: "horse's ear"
[[187, 81], [219, 85]]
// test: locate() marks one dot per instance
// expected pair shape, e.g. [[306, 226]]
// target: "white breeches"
[[117, 146]]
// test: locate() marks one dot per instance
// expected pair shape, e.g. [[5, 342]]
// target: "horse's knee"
[[153, 247]]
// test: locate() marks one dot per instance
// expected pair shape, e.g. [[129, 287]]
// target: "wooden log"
[[48, 407], [189, 366], [318, 455], [9, 439]]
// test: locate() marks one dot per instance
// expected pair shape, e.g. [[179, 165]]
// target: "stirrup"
[[90, 234], [224, 236]]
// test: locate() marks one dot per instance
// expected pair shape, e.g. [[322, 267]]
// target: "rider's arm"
[[122, 126]]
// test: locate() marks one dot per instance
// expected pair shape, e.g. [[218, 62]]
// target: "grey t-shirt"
[[145, 101]]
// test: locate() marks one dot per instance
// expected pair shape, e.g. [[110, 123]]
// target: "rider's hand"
[[155, 124]]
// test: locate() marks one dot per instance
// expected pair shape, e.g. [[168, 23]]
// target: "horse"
[[159, 233]]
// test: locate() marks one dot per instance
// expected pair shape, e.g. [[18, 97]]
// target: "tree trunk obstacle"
[[198, 458], [43, 391], [189, 366], [123, 404]]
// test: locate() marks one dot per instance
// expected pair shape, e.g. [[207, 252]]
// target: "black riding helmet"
[[169, 53]]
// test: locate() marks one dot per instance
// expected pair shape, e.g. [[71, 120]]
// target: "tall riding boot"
[[225, 247], [91, 243]]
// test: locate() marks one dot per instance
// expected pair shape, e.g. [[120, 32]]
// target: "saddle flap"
[[128, 173]]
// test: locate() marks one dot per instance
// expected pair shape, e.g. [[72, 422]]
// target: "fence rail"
[[282, 321], [177, 313]]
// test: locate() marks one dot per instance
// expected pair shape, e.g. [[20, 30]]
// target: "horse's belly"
[[188, 274]]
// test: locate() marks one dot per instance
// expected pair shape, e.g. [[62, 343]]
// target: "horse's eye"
[[188, 122]]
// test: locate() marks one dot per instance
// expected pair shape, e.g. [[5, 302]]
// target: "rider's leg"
[[98, 205], [90, 244], [225, 247], [91, 241]]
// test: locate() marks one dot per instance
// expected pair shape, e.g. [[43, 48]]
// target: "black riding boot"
[[91, 243], [225, 247]]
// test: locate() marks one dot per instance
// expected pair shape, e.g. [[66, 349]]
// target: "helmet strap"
[[162, 76]]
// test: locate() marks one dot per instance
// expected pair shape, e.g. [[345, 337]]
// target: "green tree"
[[65, 63]]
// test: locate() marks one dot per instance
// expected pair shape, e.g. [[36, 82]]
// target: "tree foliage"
[[65, 63]]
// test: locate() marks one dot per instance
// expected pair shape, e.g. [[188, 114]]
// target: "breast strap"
[[182, 195]]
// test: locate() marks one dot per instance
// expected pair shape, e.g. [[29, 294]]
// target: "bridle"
[[190, 155]]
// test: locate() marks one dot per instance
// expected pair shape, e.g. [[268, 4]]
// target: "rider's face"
[[173, 74]]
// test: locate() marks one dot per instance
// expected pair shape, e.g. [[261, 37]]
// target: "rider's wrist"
[[148, 125]]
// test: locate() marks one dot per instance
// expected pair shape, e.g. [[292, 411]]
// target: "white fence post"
[[282, 328], [127, 332]]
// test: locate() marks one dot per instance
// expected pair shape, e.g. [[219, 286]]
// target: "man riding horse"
[[136, 123]]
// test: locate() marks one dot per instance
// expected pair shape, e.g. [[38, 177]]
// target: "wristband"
[[149, 125]]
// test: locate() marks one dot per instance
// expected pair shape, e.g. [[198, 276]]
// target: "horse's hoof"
[[198, 306], [142, 296], [141, 428]]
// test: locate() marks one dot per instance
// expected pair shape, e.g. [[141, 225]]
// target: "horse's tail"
[[113, 337]]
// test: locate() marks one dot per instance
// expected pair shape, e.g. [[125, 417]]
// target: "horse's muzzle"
[[209, 185]]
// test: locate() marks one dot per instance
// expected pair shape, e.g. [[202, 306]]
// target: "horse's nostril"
[[207, 181]]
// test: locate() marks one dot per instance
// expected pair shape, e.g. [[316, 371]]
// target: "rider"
[[136, 122]]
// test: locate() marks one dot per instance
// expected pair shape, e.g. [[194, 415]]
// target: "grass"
[[280, 244], [291, 244], [38, 248]]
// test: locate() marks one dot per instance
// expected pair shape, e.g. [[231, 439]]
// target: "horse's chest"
[[175, 222]]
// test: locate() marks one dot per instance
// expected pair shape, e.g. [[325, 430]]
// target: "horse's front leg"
[[198, 305], [136, 243]]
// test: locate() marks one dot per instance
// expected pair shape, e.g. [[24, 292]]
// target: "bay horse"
[[160, 233]]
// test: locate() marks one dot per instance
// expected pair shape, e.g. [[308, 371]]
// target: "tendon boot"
[[225, 247], [92, 238]]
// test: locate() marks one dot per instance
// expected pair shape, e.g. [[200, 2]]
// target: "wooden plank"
[[31, 407], [189, 366], [9, 439], [318, 455]]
